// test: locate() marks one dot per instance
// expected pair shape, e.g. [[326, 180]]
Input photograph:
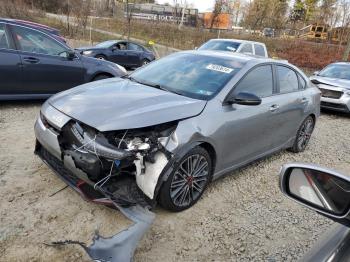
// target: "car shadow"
[[335, 113]]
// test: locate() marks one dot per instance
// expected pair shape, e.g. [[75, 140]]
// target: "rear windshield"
[[194, 75], [220, 45]]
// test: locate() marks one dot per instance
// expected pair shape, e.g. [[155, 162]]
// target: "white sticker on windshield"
[[219, 68]]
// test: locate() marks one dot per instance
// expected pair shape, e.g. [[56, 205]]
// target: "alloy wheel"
[[189, 180], [305, 133]]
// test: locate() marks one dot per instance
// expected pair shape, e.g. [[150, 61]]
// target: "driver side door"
[[45, 66]]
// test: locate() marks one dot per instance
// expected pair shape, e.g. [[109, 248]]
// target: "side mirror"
[[243, 98], [316, 73], [323, 190], [114, 48], [70, 55], [196, 47]]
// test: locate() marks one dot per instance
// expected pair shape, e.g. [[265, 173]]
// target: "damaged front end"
[[116, 167]]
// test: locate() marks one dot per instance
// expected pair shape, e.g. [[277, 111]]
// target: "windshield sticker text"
[[219, 68]]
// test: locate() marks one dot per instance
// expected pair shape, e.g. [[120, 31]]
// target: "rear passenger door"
[[291, 102], [135, 54], [10, 64]]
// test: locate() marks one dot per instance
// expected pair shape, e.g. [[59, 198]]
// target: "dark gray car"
[[165, 131], [34, 64]]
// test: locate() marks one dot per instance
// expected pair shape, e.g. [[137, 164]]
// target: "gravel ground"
[[240, 217]]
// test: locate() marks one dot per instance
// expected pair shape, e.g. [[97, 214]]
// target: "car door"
[[135, 54], [119, 54], [249, 131], [46, 68], [291, 105], [10, 61]]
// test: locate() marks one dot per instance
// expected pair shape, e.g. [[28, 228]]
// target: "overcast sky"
[[202, 5]]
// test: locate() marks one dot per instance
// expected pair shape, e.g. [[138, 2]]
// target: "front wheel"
[[145, 62], [303, 135], [187, 182]]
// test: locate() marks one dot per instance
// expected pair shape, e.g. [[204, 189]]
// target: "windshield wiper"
[[158, 86]]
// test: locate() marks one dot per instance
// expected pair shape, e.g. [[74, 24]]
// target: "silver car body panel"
[[334, 84], [117, 104]]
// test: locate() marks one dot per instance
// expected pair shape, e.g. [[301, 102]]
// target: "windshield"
[[106, 44], [193, 75], [220, 45], [336, 71]]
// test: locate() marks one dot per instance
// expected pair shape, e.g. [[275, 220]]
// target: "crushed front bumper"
[[124, 193], [340, 103]]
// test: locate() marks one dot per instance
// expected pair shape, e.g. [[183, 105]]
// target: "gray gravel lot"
[[242, 217]]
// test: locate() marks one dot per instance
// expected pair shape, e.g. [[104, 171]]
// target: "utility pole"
[[347, 50]]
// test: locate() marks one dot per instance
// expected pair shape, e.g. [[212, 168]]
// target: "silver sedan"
[[162, 133], [334, 83]]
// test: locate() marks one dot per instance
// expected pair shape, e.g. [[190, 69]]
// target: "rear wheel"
[[101, 57], [188, 181], [303, 135], [145, 62]]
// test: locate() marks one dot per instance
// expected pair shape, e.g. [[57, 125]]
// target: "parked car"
[[235, 45], [34, 64], [334, 83], [268, 32], [328, 193], [166, 130], [122, 52]]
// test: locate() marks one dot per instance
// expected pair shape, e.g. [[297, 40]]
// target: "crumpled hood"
[[116, 104], [337, 82]]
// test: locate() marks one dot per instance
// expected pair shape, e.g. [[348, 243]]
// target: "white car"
[[236, 45]]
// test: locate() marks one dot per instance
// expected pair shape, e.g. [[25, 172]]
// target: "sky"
[[201, 5]]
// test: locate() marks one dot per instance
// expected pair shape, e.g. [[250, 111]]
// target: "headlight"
[[347, 92], [122, 68], [87, 52]]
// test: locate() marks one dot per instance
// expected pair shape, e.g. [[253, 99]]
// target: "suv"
[[34, 64], [235, 45]]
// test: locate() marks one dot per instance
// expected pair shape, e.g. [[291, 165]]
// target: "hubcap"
[[189, 180], [305, 133]]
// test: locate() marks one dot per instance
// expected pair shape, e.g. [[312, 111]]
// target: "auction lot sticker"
[[219, 68]]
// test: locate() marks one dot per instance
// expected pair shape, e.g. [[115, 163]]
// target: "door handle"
[[273, 108], [31, 60]]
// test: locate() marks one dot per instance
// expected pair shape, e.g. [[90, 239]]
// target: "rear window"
[[3, 37], [259, 50]]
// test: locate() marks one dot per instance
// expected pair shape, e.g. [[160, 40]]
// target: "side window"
[[4, 42], [247, 48], [258, 82], [302, 82], [259, 50], [37, 42], [134, 47], [121, 46], [288, 80]]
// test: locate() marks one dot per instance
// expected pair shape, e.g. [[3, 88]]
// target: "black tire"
[[101, 57], [303, 135], [101, 77], [182, 188], [145, 62]]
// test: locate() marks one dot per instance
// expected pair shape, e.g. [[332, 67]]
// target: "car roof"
[[30, 24], [236, 40]]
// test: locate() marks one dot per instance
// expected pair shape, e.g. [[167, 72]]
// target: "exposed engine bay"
[[112, 162]]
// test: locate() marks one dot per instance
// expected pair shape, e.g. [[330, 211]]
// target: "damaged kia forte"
[[162, 133]]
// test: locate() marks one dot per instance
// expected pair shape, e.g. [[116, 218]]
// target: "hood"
[[116, 104], [337, 82]]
